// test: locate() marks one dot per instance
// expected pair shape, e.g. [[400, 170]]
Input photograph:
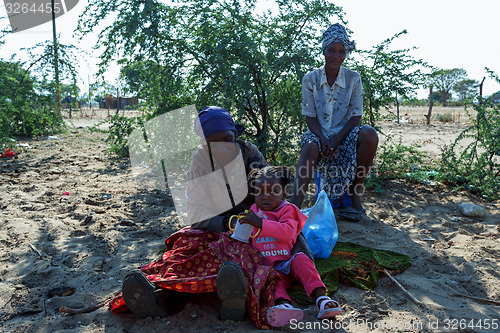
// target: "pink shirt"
[[280, 228]]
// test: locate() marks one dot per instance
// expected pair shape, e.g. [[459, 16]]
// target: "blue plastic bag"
[[321, 227]]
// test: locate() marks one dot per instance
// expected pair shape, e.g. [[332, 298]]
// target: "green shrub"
[[394, 160], [477, 165], [119, 130], [444, 118], [24, 111]]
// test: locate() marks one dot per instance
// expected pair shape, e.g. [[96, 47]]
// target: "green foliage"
[[444, 118], [27, 93], [386, 75], [416, 102], [43, 66], [466, 88], [495, 97], [225, 53], [436, 96], [158, 83], [69, 90], [444, 80], [476, 165], [25, 111], [119, 130], [395, 160]]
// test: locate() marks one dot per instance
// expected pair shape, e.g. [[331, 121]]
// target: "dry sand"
[[107, 226]]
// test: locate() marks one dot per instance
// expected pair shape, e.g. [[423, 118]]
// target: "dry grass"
[[415, 114], [99, 114], [408, 114]]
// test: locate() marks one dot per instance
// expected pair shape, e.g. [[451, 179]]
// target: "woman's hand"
[[251, 218], [329, 148]]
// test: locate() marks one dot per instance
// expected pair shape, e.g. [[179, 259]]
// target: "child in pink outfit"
[[280, 222]]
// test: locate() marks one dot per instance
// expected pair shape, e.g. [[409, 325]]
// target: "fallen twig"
[[83, 310], [28, 312], [416, 301], [36, 250], [485, 300]]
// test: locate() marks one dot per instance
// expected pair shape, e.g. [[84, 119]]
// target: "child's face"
[[269, 193]]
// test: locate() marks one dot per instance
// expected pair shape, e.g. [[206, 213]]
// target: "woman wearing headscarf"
[[202, 258], [335, 146], [217, 177]]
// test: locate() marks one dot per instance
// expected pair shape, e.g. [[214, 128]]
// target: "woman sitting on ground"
[[194, 255]]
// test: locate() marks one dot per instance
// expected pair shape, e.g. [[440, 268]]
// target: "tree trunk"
[[397, 106], [90, 97], [70, 102], [371, 117], [117, 101], [481, 92], [56, 60], [431, 103], [444, 97]]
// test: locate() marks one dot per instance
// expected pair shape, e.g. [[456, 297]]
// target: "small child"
[[280, 223]]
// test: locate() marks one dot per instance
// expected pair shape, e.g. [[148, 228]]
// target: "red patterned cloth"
[[191, 262]]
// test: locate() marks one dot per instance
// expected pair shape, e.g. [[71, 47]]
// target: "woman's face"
[[335, 55], [222, 146], [268, 193]]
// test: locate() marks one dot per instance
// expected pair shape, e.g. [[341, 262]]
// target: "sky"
[[447, 33]]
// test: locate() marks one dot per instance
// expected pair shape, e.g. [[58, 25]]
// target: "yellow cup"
[[242, 232]]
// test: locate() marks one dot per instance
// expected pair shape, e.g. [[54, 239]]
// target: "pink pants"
[[302, 269]]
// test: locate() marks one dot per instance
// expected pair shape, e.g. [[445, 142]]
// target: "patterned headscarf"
[[214, 119], [337, 34]]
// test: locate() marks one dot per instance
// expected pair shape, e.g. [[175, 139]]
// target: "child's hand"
[[251, 218]]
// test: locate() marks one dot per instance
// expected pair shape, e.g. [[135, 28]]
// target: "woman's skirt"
[[191, 262], [337, 173]]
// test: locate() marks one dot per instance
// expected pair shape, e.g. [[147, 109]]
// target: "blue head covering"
[[214, 119]]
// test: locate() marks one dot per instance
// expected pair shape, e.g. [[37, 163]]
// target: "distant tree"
[[386, 75], [149, 80], [227, 53], [100, 89], [69, 90], [42, 65], [445, 79], [495, 97], [69, 94], [84, 99], [136, 75], [436, 96], [466, 88]]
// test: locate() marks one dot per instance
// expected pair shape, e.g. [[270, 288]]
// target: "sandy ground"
[[107, 226]]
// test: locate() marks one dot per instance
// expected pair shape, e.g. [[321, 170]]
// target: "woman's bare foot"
[[356, 201]]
